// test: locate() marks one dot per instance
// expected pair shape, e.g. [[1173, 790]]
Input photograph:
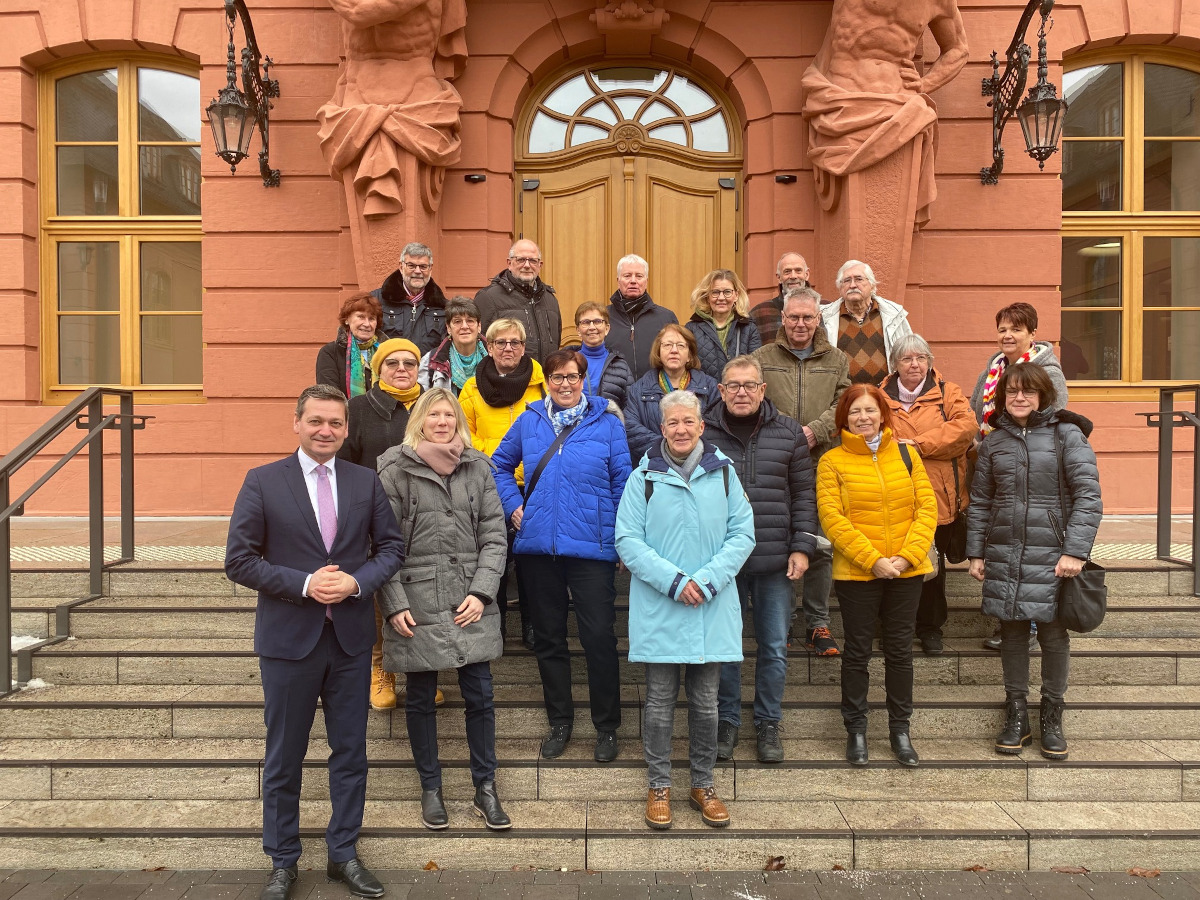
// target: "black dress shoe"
[[856, 748], [903, 748], [606, 747], [931, 643], [487, 805], [355, 876], [527, 636], [433, 810], [279, 885], [554, 745]]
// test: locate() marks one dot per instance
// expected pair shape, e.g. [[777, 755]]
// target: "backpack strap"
[[904, 455], [724, 476]]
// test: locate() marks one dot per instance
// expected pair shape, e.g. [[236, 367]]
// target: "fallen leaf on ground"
[[1070, 870], [156, 869], [1145, 873], [431, 866], [977, 868], [838, 868], [775, 864]]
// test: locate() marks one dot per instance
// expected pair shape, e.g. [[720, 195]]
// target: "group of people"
[[727, 463]]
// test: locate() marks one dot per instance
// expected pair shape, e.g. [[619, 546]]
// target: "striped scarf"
[[995, 369]]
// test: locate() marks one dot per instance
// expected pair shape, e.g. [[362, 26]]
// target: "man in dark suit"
[[316, 542]]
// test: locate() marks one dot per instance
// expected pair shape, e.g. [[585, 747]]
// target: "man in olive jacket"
[[805, 375]]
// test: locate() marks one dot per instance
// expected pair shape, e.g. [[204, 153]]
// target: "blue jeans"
[[658, 720], [770, 598]]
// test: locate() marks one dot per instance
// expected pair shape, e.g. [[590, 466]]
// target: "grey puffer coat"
[[1016, 520], [455, 544]]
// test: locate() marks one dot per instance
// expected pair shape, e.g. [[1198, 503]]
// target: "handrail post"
[[127, 476], [6, 590], [96, 497], [1166, 432]]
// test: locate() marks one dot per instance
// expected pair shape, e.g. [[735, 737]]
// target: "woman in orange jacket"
[[878, 510], [933, 415]]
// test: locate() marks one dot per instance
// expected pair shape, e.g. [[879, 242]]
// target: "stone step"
[[235, 711], [211, 769], [611, 835], [1130, 661]]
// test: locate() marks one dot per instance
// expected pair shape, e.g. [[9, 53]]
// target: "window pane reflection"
[[1172, 175], [1171, 345], [1095, 97], [1171, 271], [569, 97], [691, 99], [547, 134], [1090, 348], [169, 181], [86, 106], [1171, 96], [674, 134], [89, 349], [629, 77], [1091, 175], [586, 134], [171, 350], [711, 134], [87, 181], [168, 106], [89, 276], [1091, 271], [170, 276]]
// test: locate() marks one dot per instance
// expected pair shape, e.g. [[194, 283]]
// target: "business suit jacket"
[[275, 544]]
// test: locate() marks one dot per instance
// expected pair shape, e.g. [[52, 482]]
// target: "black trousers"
[[592, 587], [931, 613], [502, 593], [863, 603], [420, 714]]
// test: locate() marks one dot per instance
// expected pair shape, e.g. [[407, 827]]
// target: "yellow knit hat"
[[390, 346]]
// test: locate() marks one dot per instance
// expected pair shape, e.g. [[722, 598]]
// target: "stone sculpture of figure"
[[863, 95]]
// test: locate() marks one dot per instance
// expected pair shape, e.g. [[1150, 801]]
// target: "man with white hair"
[[791, 272], [519, 293], [636, 319], [862, 324]]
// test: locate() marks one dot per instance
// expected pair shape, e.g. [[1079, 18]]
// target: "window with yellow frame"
[[119, 144], [1131, 219]]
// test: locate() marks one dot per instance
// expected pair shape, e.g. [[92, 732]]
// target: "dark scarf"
[[633, 307], [499, 391]]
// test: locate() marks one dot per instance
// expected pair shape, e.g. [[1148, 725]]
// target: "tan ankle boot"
[[658, 808], [712, 810], [383, 689]]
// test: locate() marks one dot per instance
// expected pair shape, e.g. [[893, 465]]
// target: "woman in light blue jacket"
[[684, 529]]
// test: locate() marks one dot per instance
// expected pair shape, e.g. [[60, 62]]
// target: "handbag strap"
[[1062, 479], [545, 460], [954, 462]]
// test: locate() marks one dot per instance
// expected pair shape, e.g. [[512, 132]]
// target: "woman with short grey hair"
[[684, 529]]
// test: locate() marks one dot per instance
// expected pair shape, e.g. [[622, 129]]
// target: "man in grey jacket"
[[519, 293]]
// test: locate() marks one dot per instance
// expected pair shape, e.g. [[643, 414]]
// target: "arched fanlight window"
[[628, 106]]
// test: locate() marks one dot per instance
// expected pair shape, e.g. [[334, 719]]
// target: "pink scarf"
[[442, 458]]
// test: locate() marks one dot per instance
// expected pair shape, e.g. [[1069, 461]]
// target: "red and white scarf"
[[995, 369]]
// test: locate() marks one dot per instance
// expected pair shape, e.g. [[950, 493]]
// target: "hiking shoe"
[[770, 749], [821, 642], [727, 738]]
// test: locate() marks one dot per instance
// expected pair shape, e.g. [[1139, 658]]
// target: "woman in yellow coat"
[[505, 381], [879, 512]]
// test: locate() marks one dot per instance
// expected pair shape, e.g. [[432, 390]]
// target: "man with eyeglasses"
[[805, 375], [414, 307], [791, 272], [862, 324], [636, 319], [519, 293], [770, 453]]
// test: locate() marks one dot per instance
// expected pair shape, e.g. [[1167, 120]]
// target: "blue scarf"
[[560, 418], [462, 368], [596, 357]]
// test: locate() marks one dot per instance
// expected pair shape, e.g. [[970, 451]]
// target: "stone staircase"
[[145, 750]]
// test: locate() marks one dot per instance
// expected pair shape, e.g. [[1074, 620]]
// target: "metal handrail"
[[1165, 419], [84, 412]]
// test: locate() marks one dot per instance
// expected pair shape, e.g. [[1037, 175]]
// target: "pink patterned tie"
[[326, 515]]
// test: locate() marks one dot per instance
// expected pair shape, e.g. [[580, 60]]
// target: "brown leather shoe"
[[658, 808], [712, 810]]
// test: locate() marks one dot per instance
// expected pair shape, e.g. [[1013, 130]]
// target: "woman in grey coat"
[[1035, 508], [440, 606]]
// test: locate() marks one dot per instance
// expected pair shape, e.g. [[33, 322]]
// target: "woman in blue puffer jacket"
[[576, 465]]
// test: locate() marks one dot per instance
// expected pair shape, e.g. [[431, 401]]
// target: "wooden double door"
[[683, 220]]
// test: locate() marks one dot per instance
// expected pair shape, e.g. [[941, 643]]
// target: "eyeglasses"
[[506, 344], [390, 364], [587, 323], [748, 387], [571, 378], [1024, 392], [525, 260], [796, 320], [723, 295], [419, 267], [913, 360], [672, 346]]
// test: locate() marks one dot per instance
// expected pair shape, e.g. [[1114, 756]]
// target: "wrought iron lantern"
[[234, 114], [1041, 113]]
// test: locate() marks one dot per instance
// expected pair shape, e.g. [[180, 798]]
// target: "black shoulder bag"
[[956, 531], [531, 482], [1082, 600]]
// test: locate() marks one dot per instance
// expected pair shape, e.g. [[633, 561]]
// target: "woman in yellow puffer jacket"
[[879, 511]]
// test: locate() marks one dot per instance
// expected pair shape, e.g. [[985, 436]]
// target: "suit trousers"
[[420, 714], [291, 689]]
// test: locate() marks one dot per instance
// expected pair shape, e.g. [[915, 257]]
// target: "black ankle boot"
[[1054, 745], [1016, 733]]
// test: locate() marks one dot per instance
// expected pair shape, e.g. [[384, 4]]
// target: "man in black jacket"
[[791, 272], [770, 453], [519, 293], [636, 319], [414, 307]]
